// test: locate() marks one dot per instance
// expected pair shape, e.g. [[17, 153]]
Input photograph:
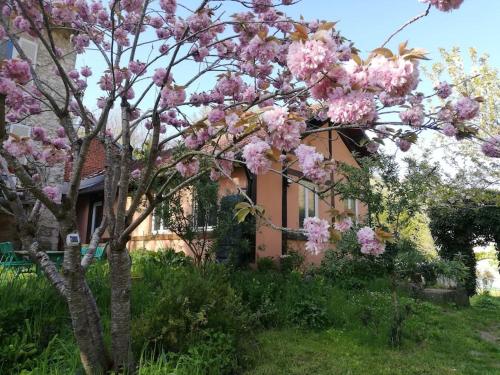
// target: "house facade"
[[48, 230], [286, 203]]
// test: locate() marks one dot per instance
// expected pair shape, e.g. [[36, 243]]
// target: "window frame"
[[311, 189], [162, 229], [356, 207], [15, 53], [93, 226]]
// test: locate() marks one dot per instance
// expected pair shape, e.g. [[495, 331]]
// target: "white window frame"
[[356, 207], [194, 215], [162, 229], [33, 44], [93, 223], [311, 189]]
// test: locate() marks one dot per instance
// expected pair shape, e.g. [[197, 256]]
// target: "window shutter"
[[30, 49], [5, 49]]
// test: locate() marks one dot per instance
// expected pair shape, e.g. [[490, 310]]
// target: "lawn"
[[465, 341], [221, 321]]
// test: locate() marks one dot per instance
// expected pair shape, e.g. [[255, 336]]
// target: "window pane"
[[302, 207], [310, 203]]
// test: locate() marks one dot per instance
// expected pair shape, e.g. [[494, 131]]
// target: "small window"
[[30, 49], [97, 211], [351, 204], [308, 202], [204, 214], [159, 225]]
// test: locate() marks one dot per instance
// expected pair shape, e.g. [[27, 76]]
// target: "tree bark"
[[85, 317], [121, 284]]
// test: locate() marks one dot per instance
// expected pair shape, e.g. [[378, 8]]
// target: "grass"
[[463, 341], [255, 323]]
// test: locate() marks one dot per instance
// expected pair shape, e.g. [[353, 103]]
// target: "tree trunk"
[[121, 284], [85, 317], [87, 328]]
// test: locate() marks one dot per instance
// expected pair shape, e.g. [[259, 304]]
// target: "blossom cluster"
[[369, 242], [317, 232]]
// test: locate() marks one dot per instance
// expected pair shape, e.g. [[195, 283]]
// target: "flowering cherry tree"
[[259, 76]]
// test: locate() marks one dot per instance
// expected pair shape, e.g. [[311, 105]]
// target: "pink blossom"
[[317, 234], [188, 168], [60, 143], [449, 130], [255, 155], [284, 133], [313, 56], [172, 97], [17, 70], [311, 163], [354, 108], [413, 116], [443, 90], [370, 245], [53, 193], [343, 225], [216, 115], [38, 133], [372, 147], [466, 108], [403, 144], [135, 174], [232, 121], [491, 147], [397, 77], [159, 77], [444, 5], [18, 148], [169, 6], [61, 132], [137, 67]]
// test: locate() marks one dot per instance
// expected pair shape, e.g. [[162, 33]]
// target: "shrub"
[[266, 264], [292, 261]]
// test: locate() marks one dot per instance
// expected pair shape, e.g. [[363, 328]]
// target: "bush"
[[292, 261], [266, 264], [187, 304]]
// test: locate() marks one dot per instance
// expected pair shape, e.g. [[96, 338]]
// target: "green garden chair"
[[10, 260], [99, 252]]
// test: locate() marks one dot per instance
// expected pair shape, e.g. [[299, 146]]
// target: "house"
[[48, 229], [286, 203]]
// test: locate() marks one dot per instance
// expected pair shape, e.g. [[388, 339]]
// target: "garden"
[[335, 319]]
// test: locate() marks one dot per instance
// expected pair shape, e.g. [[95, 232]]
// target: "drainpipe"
[[332, 175], [284, 210]]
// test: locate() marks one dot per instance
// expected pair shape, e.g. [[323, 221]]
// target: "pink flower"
[[216, 115], [311, 163], [135, 174], [284, 134], [317, 234], [413, 116], [343, 225], [232, 120], [370, 245], [169, 6], [491, 147], [449, 130], [313, 56], [38, 133], [466, 108], [188, 168], [443, 90], [17, 70], [255, 155], [372, 147], [61, 133], [444, 5], [137, 67], [159, 77], [354, 108], [396, 77], [53, 193], [86, 71], [172, 97], [403, 144]]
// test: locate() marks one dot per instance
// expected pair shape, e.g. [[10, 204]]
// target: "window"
[[96, 216], [6, 48], [308, 202], [351, 204], [159, 225], [204, 213]]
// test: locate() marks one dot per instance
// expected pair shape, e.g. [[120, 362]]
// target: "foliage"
[[266, 264], [292, 261], [460, 221], [191, 213], [233, 239]]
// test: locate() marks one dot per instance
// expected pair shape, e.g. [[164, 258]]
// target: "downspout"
[[252, 193], [332, 175], [284, 212]]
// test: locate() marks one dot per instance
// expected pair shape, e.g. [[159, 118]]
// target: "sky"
[[368, 23]]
